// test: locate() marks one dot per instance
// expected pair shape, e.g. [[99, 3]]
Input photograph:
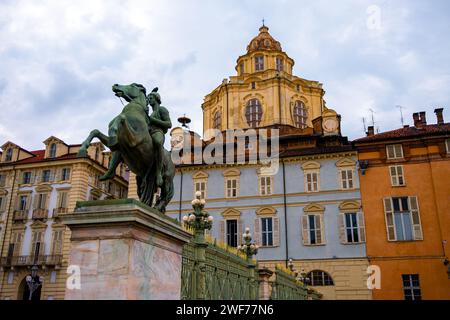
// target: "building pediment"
[[231, 212], [44, 188], [350, 205], [37, 224], [200, 175], [52, 139], [310, 165], [231, 173], [264, 211], [346, 162], [314, 207]]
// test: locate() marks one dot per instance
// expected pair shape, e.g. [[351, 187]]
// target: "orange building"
[[405, 188]]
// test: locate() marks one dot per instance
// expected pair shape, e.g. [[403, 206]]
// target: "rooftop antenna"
[[184, 121], [401, 113], [373, 120], [364, 124], [263, 22]]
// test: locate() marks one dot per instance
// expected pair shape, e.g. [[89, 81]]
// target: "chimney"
[[416, 119], [423, 119], [370, 131], [439, 115]]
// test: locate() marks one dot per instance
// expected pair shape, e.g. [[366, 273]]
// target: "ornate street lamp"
[[302, 276], [34, 281], [199, 220], [249, 248]]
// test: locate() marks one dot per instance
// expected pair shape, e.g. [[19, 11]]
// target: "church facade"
[[309, 208]]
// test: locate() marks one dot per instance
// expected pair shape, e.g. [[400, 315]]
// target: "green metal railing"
[[287, 287]]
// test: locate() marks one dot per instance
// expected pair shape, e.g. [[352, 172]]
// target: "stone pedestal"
[[125, 250]]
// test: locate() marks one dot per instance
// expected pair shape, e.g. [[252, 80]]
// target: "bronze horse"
[[130, 141]]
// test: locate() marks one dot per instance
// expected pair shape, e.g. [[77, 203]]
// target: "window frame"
[[229, 189], [52, 150], [266, 234], [253, 112], [394, 152], [411, 287], [265, 189], [414, 218], [228, 234], [395, 178], [259, 63], [300, 114], [9, 154], [308, 184], [447, 145], [326, 280], [279, 63], [347, 180]]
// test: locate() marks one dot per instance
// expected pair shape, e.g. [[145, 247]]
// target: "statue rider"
[[159, 124]]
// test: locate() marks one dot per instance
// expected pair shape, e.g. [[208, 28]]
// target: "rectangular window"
[[267, 231], [26, 177], [279, 64], [41, 201], [241, 68], [46, 175], [397, 177], [314, 229], [352, 228], [201, 186], [312, 181], [231, 188], [65, 174], [232, 234], [2, 180], [411, 287], [265, 185], [402, 219], [2, 204], [57, 242], [253, 85], [22, 202], [394, 151], [62, 200], [259, 63], [347, 179]]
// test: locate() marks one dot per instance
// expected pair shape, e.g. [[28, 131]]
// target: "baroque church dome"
[[263, 41]]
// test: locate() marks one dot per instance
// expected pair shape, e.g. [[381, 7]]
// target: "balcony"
[[40, 214], [20, 215], [24, 261], [59, 211]]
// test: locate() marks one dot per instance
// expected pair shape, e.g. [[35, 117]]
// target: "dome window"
[[300, 114], [253, 113], [259, 63]]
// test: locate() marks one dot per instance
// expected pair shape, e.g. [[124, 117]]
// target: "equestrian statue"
[[136, 138]]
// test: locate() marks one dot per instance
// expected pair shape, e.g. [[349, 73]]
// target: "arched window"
[[9, 154], [300, 114], [253, 113], [52, 150], [217, 120], [320, 278]]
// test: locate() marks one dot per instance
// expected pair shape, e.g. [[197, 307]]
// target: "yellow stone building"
[[264, 92], [36, 188]]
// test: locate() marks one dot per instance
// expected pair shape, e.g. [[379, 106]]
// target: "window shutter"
[[389, 216], [27, 202], [222, 230], [63, 200], [305, 230], [240, 231], [320, 233], [258, 231], [57, 242], [276, 231], [361, 227], [342, 233], [44, 201], [3, 203], [417, 227], [58, 200], [36, 201]]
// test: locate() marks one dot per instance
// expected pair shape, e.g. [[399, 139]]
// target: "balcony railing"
[[58, 211], [44, 260], [20, 215], [40, 214]]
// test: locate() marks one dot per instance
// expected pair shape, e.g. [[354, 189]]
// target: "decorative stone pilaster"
[[265, 288]]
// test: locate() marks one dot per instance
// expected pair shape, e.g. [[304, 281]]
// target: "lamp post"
[[200, 221], [249, 247], [34, 281]]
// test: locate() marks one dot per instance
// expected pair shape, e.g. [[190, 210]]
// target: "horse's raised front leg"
[[85, 145]]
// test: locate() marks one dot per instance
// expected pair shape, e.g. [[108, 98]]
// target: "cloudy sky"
[[58, 59]]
